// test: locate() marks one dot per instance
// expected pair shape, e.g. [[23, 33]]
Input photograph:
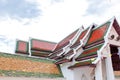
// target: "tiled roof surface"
[[79, 38], [89, 53], [69, 53], [42, 45], [39, 53], [62, 61], [22, 47], [55, 53], [65, 41], [79, 64], [98, 33]]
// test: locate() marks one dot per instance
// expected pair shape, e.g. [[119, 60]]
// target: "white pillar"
[[109, 68], [29, 46], [67, 73], [98, 71]]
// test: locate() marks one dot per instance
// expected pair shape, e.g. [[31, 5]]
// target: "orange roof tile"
[[98, 33]]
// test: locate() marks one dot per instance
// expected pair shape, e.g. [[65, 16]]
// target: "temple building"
[[86, 54]]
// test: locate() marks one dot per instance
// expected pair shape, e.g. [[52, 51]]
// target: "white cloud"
[[58, 20], [7, 44], [62, 18]]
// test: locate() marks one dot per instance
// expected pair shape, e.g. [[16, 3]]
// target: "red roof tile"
[[89, 53], [22, 47], [42, 45], [98, 33], [65, 41]]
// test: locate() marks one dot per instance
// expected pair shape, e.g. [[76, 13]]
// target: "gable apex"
[[116, 26]]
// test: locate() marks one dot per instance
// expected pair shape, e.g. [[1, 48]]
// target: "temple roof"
[[98, 33], [22, 47], [61, 45], [42, 45], [66, 40], [69, 53], [89, 53], [79, 38], [90, 41]]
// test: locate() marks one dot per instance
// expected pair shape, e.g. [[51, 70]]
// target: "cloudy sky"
[[50, 20]]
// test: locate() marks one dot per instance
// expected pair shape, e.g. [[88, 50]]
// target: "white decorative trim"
[[15, 46], [64, 50], [73, 40], [87, 34], [74, 52], [61, 52], [81, 42], [100, 56], [111, 20], [30, 46]]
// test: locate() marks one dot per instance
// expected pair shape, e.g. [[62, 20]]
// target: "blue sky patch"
[[97, 7], [19, 9]]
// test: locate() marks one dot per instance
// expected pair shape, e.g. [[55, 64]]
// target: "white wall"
[[82, 71], [108, 62], [113, 41], [67, 73], [76, 73]]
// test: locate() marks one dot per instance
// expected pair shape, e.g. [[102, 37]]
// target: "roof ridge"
[[42, 40]]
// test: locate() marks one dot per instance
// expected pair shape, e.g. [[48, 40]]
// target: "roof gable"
[[66, 40], [98, 33], [116, 26], [42, 45]]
